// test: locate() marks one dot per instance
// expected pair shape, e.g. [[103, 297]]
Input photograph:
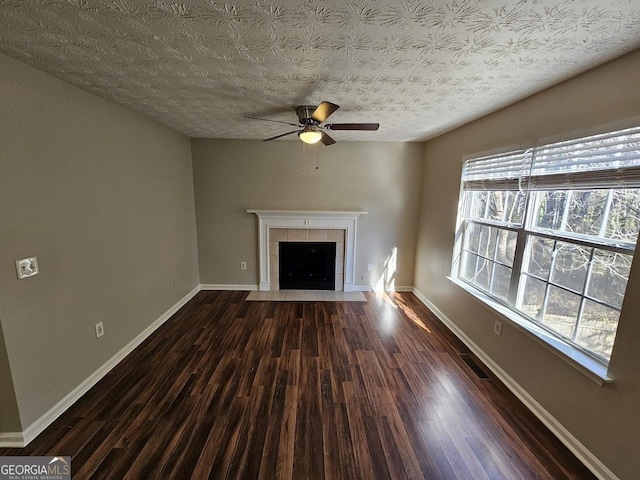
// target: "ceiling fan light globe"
[[310, 136]]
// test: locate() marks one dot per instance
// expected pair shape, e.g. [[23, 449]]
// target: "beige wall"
[[9, 415], [104, 198], [232, 176], [604, 419]]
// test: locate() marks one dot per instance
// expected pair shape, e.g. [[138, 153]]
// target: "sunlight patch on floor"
[[396, 302]]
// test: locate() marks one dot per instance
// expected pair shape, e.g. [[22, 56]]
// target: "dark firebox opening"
[[307, 265]]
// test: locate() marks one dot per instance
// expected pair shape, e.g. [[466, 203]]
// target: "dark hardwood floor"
[[296, 390]]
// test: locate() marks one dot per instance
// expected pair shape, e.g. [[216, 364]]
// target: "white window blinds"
[[505, 171], [610, 160]]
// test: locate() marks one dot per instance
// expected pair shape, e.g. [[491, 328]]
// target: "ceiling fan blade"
[[353, 126], [278, 136], [269, 120], [327, 140], [323, 111]]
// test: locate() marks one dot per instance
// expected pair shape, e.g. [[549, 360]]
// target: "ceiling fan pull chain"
[[317, 150], [304, 156]]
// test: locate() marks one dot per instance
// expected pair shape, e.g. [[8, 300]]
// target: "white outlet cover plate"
[[497, 328], [27, 267]]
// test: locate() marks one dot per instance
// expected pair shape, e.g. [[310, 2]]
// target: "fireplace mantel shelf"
[[307, 219], [305, 213]]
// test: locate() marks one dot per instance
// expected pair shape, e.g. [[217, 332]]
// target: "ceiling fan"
[[310, 120]]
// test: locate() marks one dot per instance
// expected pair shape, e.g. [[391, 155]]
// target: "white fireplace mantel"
[[304, 219]]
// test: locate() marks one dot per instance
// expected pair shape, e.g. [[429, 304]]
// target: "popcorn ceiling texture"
[[417, 68]]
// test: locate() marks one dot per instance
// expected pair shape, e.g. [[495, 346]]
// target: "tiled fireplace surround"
[[277, 235]]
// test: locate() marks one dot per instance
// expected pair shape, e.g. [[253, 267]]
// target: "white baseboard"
[[11, 440], [598, 468], [228, 286], [371, 288], [359, 288], [401, 289], [37, 427]]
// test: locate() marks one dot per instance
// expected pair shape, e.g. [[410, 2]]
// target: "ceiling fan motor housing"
[[304, 113]]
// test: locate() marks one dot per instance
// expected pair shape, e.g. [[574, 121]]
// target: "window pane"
[[499, 205], [562, 309], [624, 216], [468, 266], [550, 209], [597, 329], [532, 296], [472, 237], [586, 211], [501, 281], [476, 270], [539, 255], [570, 267], [487, 241], [506, 206], [483, 274], [514, 210], [609, 275], [506, 251], [478, 204]]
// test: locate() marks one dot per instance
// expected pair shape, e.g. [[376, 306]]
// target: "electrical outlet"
[[243, 265], [99, 330], [175, 282], [380, 265], [497, 328], [369, 267]]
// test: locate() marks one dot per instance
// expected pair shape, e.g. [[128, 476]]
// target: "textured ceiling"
[[417, 68]]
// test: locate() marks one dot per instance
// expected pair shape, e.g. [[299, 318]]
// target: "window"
[[550, 232]]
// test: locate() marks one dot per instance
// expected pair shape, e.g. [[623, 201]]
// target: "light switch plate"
[[27, 267]]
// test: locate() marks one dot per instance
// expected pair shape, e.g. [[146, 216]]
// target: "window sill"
[[572, 356]]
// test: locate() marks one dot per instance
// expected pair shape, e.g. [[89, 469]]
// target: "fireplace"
[[307, 265], [275, 226]]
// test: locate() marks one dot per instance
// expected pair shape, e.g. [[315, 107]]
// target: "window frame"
[[526, 232]]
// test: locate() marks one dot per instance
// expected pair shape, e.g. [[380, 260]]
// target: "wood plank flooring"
[[302, 390]]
